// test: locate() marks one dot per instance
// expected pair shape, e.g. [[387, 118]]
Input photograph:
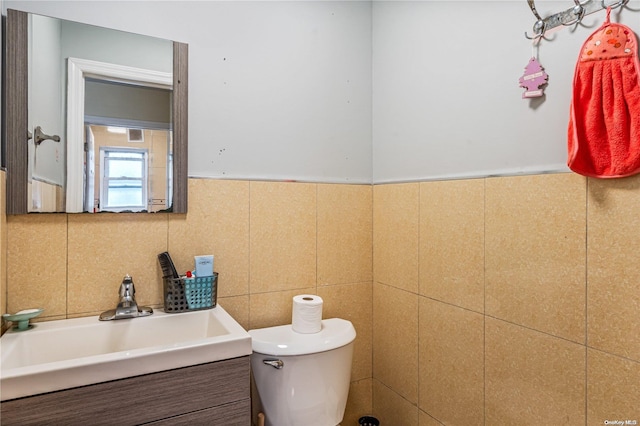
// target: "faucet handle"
[[127, 289]]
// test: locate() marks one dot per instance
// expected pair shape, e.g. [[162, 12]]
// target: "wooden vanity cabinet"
[[216, 393]]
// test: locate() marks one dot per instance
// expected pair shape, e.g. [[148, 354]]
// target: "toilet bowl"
[[303, 379]]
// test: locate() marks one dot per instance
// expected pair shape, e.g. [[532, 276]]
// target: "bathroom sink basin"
[[68, 353]]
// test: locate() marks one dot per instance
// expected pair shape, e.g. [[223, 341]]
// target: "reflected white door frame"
[[77, 71]]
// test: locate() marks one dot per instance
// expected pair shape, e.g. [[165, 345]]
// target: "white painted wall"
[[447, 101], [2, 149], [277, 90], [338, 91]]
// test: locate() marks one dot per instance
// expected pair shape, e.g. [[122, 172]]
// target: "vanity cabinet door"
[[140, 399], [233, 414]]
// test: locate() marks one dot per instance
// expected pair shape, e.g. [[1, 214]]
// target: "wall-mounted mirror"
[[96, 119]]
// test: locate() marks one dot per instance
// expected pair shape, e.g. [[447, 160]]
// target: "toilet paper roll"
[[307, 314]]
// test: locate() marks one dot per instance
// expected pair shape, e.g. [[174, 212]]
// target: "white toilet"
[[303, 379]]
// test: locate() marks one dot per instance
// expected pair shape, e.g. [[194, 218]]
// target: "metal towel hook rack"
[[615, 5], [570, 16], [540, 26], [40, 137], [578, 10]]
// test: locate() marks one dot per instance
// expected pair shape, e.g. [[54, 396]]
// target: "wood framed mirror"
[[20, 136]]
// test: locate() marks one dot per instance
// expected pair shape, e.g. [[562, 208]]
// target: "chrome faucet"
[[127, 306]]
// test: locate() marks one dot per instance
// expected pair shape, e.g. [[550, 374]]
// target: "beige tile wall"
[[526, 312], [509, 300], [271, 241]]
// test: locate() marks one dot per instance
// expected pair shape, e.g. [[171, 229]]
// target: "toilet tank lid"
[[282, 340]]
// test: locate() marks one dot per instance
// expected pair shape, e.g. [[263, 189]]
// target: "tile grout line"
[[484, 302], [373, 281], [419, 295], [66, 287], [586, 301], [614, 355], [249, 257], [528, 327], [317, 232]]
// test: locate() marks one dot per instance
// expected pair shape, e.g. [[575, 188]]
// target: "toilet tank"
[[312, 386]]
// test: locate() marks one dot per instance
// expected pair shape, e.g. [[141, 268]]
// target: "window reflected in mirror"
[[127, 169]]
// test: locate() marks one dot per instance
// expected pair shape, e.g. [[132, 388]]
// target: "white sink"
[[63, 354]]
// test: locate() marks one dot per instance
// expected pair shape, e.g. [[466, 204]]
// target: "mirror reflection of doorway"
[[125, 174], [135, 107]]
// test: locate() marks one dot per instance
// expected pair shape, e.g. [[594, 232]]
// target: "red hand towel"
[[604, 125]]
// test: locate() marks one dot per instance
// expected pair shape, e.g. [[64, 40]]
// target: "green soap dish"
[[22, 318]]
